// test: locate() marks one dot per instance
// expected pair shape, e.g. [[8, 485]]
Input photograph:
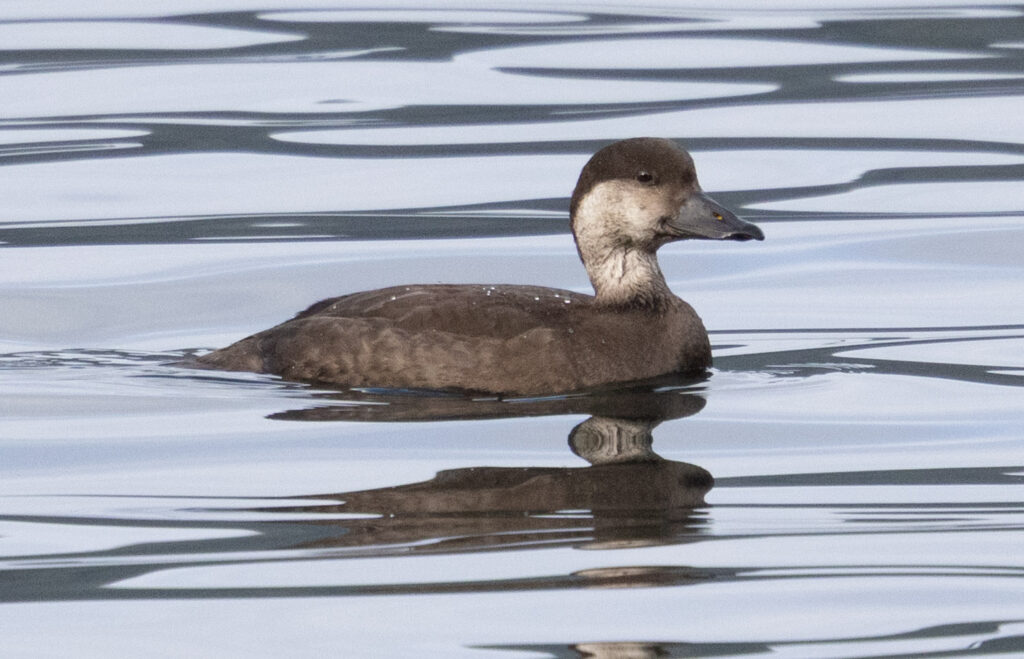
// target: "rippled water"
[[847, 482]]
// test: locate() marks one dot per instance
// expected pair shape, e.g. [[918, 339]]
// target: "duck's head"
[[633, 197], [641, 193]]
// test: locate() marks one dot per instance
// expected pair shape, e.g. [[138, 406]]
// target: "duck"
[[632, 197]]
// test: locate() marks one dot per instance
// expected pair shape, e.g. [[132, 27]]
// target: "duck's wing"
[[496, 311], [512, 339]]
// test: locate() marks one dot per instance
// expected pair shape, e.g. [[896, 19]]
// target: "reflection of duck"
[[629, 496], [631, 198], [666, 397]]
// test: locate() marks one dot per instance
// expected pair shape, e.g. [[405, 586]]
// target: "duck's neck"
[[627, 278]]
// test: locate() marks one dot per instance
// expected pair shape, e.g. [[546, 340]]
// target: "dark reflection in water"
[[628, 497], [806, 362], [657, 399]]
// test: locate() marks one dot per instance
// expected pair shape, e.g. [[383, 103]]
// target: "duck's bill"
[[703, 217]]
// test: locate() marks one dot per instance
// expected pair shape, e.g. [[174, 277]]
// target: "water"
[[176, 174]]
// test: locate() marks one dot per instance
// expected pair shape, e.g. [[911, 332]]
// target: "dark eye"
[[644, 176]]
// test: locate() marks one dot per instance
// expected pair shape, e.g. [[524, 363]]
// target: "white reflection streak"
[[692, 52], [70, 148], [306, 86], [419, 16], [134, 35]]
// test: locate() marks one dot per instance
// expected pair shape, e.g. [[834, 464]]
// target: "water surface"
[[847, 482]]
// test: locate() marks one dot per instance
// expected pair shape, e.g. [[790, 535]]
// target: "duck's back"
[[470, 310], [501, 339]]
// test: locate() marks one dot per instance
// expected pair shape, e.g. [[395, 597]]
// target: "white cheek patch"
[[620, 209]]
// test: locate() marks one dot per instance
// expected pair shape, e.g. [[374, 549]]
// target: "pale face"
[[629, 214]]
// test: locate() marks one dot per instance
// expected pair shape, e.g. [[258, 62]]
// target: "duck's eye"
[[644, 176]]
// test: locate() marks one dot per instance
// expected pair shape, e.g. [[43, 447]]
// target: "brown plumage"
[[632, 197]]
